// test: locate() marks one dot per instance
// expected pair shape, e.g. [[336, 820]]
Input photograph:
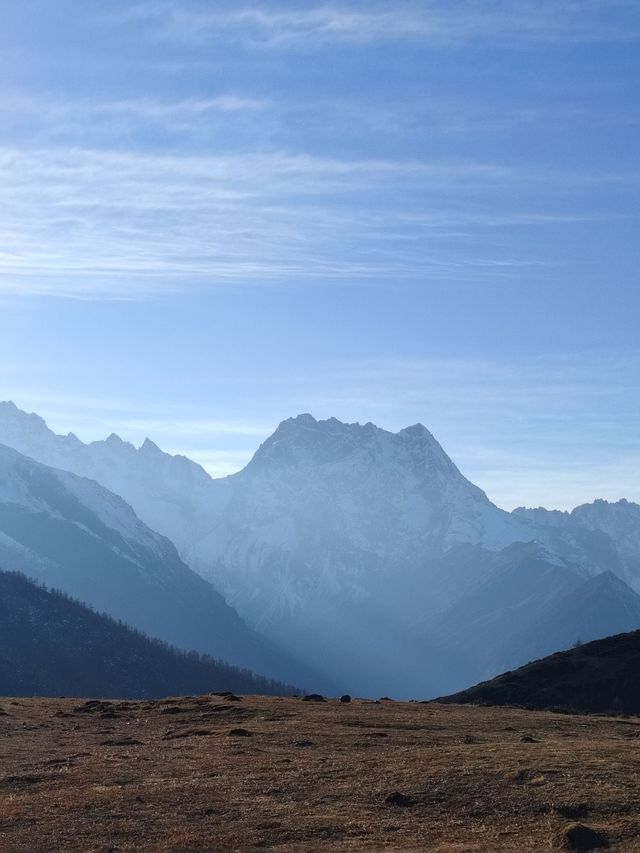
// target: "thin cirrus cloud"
[[193, 428], [239, 119], [136, 110], [79, 222], [282, 25], [547, 392]]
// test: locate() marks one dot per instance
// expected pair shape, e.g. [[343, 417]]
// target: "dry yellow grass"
[[169, 775]]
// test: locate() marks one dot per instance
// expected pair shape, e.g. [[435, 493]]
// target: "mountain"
[[175, 496], [366, 551], [507, 591], [336, 505], [323, 542], [313, 487], [601, 606], [171, 494], [75, 535], [599, 677], [51, 645], [602, 534], [331, 541], [522, 605]]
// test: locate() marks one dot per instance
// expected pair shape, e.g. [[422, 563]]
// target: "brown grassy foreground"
[[171, 775]]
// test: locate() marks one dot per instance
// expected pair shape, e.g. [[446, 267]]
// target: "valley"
[[343, 556]]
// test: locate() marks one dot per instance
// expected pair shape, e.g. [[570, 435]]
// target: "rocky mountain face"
[[341, 509], [367, 552], [600, 535], [76, 536], [171, 494]]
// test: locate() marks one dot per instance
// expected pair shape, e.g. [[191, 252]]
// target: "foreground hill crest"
[[599, 677]]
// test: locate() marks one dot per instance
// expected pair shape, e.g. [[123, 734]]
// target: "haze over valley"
[[342, 557]]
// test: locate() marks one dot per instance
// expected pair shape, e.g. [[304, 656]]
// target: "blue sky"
[[217, 215]]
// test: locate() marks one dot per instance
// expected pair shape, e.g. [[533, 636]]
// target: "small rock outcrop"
[[398, 799]]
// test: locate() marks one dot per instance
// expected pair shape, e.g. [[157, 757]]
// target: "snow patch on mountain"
[[337, 532], [76, 536]]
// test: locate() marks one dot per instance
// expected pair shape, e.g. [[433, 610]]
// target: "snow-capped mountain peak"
[[169, 493], [305, 441], [335, 532]]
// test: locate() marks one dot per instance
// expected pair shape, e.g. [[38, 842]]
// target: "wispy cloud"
[[233, 121], [292, 25], [175, 112], [532, 398], [193, 427], [121, 223]]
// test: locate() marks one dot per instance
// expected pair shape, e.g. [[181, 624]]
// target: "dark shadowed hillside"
[[75, 536], [51, 645], [598, 677]]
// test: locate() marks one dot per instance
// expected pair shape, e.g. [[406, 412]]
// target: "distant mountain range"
[[598, 677], [74, 535], [368, 555], [51, 645]]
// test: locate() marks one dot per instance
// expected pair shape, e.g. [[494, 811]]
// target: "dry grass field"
[[215, 773]]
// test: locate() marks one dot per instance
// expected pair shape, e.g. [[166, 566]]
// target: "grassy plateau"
[[220, 772]]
